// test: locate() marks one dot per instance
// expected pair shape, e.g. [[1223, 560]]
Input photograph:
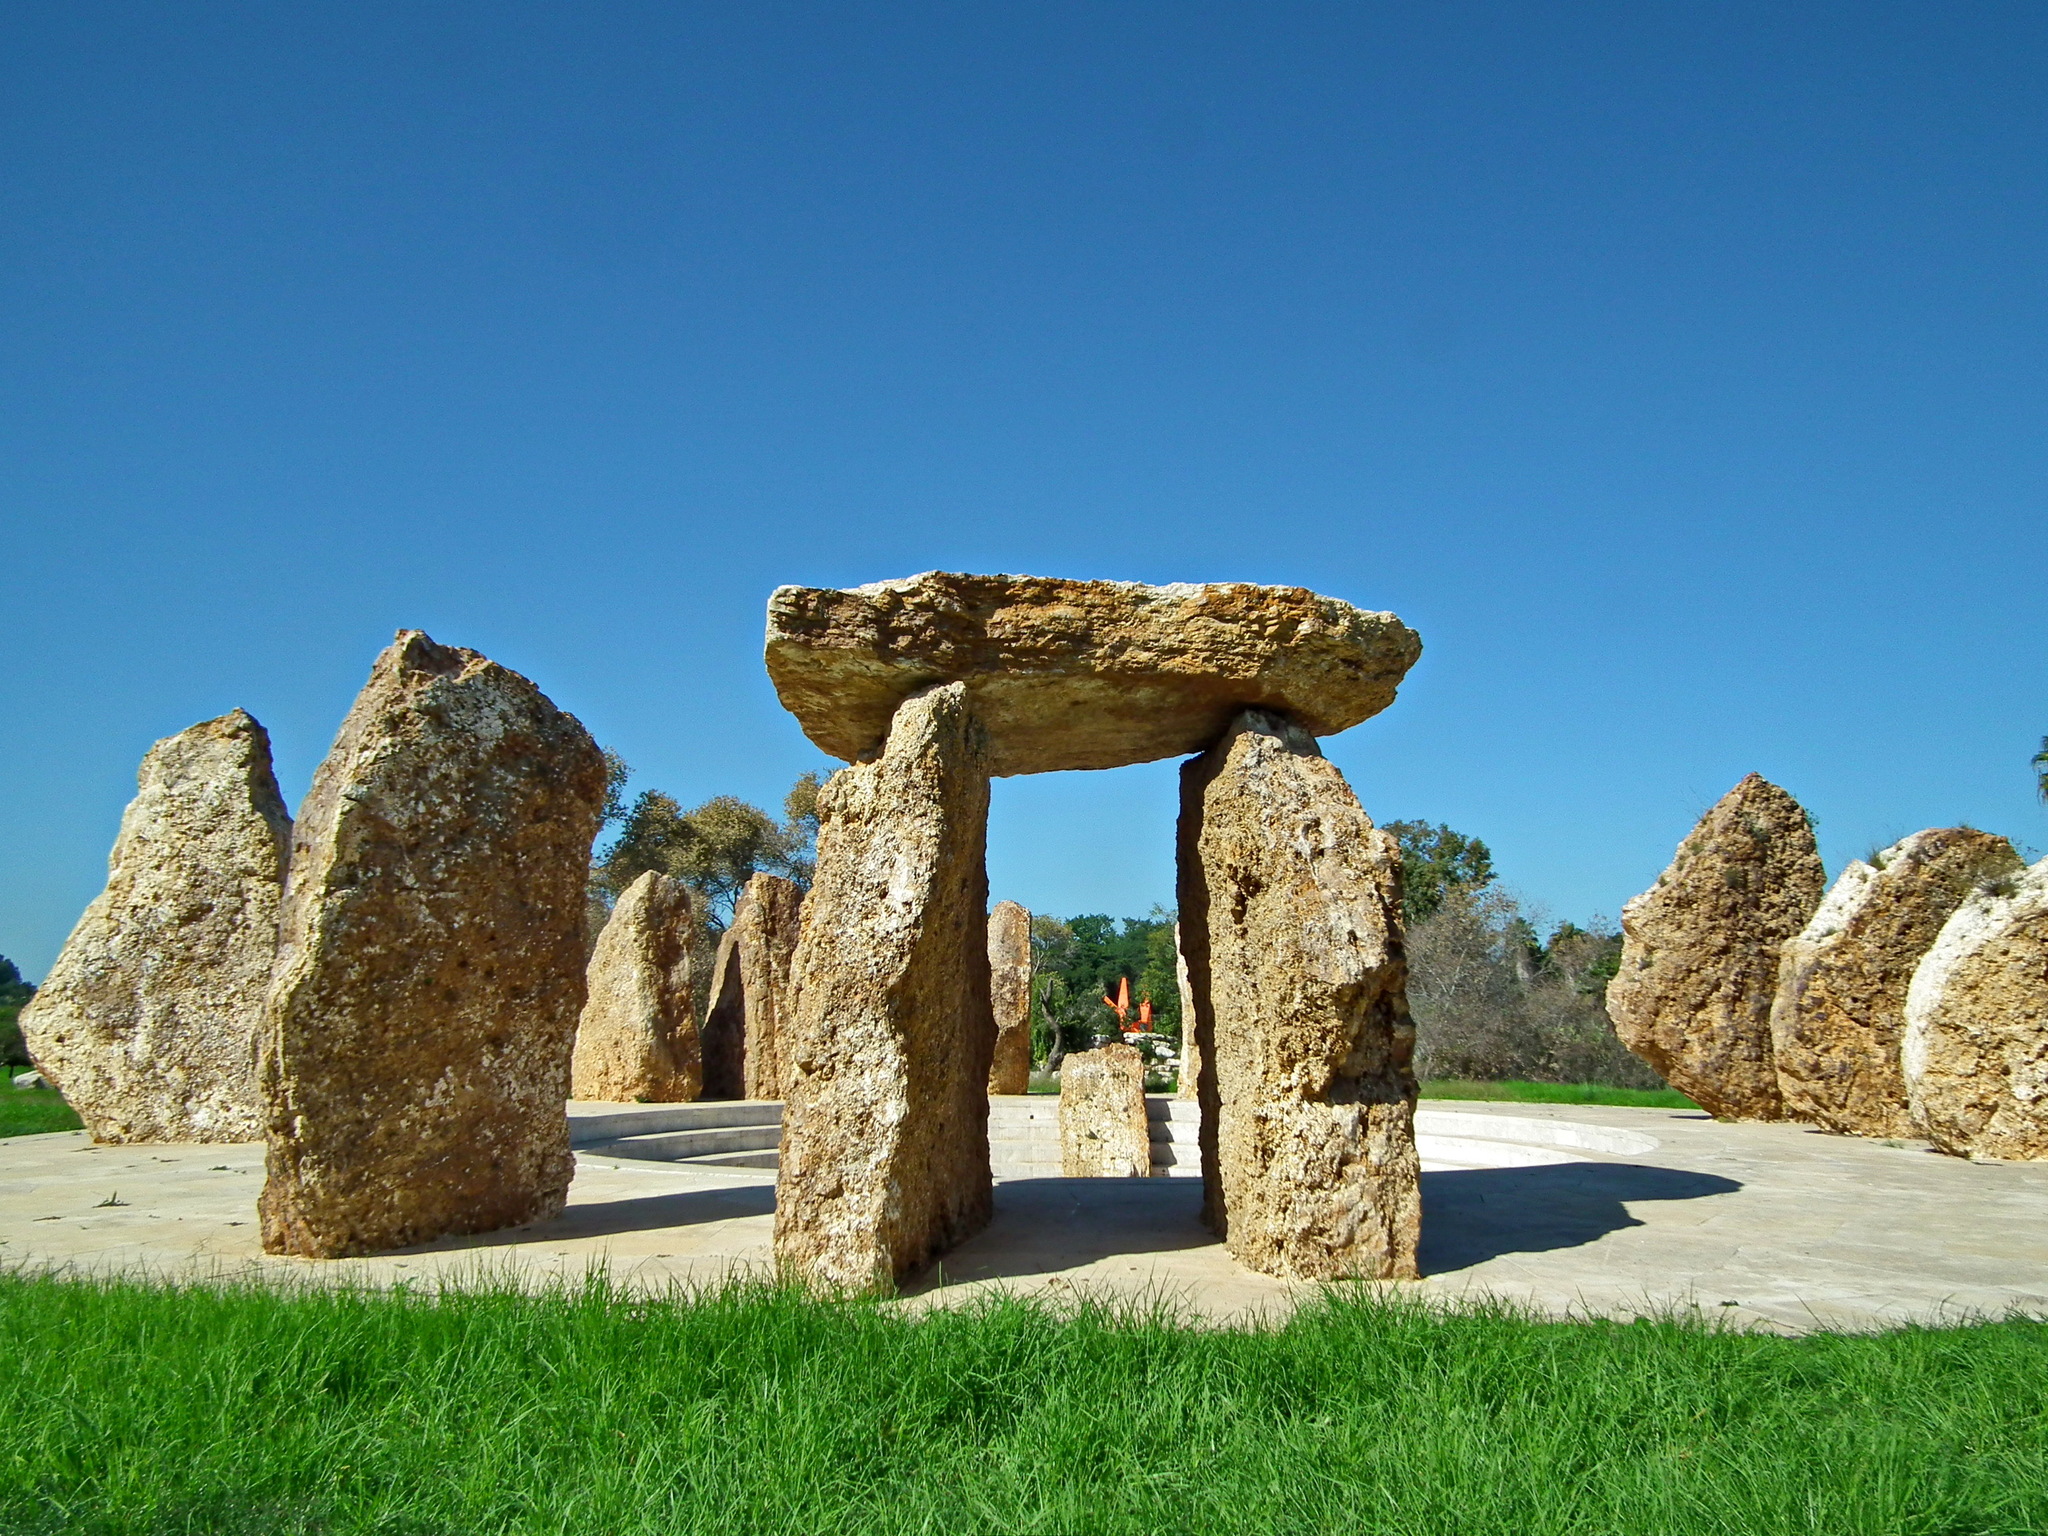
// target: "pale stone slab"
[[1009, 970], [1699, 963], [148, 1020], [1079, 674], [1840, 1012], [430, 966], [885, 1156], [637, 1038], [1976, 1046], [1290, 909], [1103, 1130]]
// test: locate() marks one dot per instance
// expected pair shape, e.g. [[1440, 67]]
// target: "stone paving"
[[1764, 1225]]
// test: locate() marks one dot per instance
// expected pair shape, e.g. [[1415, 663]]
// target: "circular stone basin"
[[1448, 1139]]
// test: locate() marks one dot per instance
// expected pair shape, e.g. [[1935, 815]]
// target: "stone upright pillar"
[[885, 1131], [148, 1020], [1700, 952], [420, 1021], [1976, 1044], [637, 1039], [1104, 1133], [1290, 909], [1840, 1012], [1190, 1052], [745, 1049], [1009, 969]]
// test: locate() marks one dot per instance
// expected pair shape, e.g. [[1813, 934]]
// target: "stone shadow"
[[1470, 1215], [1042, 1226], [613, 1218]]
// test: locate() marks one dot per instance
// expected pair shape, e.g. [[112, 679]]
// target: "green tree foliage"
[[714, 849], [14, 993], [1077, 961], [1435, 862]]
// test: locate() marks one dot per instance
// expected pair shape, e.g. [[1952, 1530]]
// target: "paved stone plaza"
[[1797, 1228]]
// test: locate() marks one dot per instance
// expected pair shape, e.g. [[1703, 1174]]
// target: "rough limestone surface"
[[429, 975], [1840, 1012], [745, 1046], [1079, 674], [1009, 971], [1290, 910], [637, 1039], [1190, 1050], [1976, 1047], [885, 1130], [1699, 960], [724, 1036], [148, 1020], [1103, 1133]]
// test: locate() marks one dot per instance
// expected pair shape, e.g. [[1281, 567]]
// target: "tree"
[[14, 994], [1435, 861], [714, 849]]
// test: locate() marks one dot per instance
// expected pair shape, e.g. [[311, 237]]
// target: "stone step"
[[591, 1123], [681, 1146]]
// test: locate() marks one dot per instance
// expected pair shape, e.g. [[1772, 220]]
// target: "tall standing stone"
[[1009, 969], [885, 1131], [148, 1020], [1840, 1012], [746, 1054], [1103, 1129], [1699, 960], [1976, 1046], [1190, 1051], [1290, 909], [637, 1038], [430, 963]]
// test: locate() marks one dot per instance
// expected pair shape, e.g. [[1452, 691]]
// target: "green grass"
[[29, 1111], [232, 1412], [1557, 1093]]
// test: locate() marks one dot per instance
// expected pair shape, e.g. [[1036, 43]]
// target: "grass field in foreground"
[[1557, 1093], [235, 1412], [30, 1111]]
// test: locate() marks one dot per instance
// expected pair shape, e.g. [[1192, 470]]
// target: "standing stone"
[[745, 1047], [1103, 1131], [725, 1021], [1290, 908], [1699, 959], [148, 1020], [1840, 1013], [885, 1131], [1009, 970], [1976, 1047], [637, 1039], [430, 963], [1190, 1051]]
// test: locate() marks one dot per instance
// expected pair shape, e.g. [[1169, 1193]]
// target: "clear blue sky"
[[1677, 370]]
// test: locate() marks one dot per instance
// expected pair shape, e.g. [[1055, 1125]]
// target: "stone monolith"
[[1190, 1052], [148, 1020], [1976, 1046], [1079, 674], [1103, 1131], [746, 1053], [1699, 961], [1009, 970], [637, 1038], [1290, 911], [885, 1131], [1840, 1011], [430, 963]]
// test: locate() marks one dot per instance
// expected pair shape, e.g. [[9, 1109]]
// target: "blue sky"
[[1676, 370]]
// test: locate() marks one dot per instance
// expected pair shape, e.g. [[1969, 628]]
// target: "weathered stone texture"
[[148, 1020], [430, 965], [1976, 1046], [1103, 1132], [637, 1039], [1190, 1050], [746, 1050], [1840, 1012], [1290, 908], [1079, 674], [1009, 969], [885, 1130], [1699, 963]]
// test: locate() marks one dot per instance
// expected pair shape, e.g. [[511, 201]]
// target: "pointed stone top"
[[1079, 674]]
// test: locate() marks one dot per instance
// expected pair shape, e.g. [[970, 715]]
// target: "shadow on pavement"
[[1472, 1215], [610, 1218], [1042, 1226]]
